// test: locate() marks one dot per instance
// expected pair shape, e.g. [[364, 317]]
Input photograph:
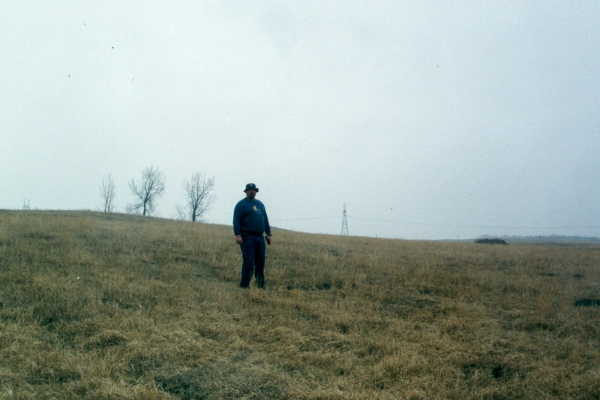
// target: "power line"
[[405, 222], [305, 218]]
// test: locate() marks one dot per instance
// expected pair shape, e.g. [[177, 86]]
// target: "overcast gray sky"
[[430, 119]]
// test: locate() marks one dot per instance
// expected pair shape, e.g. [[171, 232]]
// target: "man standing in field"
[[250, 223]]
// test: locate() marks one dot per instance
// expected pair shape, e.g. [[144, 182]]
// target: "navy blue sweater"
[[250, 217]]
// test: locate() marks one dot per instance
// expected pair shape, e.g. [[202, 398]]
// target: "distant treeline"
[[545, 239]]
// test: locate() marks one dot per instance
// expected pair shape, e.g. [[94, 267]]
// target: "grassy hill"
[[95, 307]]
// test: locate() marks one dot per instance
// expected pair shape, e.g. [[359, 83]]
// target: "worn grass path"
[[121, 307]]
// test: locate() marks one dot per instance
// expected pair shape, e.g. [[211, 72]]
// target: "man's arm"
[[237, 221], [267, 226]]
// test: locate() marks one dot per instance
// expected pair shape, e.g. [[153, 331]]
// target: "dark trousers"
[[253, 253]]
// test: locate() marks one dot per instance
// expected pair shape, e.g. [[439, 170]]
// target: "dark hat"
[[251, 186]]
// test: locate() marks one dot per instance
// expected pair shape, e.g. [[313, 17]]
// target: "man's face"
[[251, 193]]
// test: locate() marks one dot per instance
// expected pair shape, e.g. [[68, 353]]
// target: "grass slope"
[[119, 307]]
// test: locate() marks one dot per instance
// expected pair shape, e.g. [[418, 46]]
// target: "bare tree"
[[107, 192], [150, 186], [198, 196]]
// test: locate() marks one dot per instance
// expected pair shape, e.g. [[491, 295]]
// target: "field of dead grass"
[[120, 307]]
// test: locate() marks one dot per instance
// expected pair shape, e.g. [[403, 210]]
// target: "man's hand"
[[238, 239], [269, 240]]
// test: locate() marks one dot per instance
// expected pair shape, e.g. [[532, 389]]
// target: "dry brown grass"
[[119, 307]]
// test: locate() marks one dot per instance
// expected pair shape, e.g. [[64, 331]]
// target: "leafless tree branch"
[[107, 192], [198, 196], [150, 186]]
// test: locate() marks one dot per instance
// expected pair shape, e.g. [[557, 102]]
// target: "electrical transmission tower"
[[345, 230]]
